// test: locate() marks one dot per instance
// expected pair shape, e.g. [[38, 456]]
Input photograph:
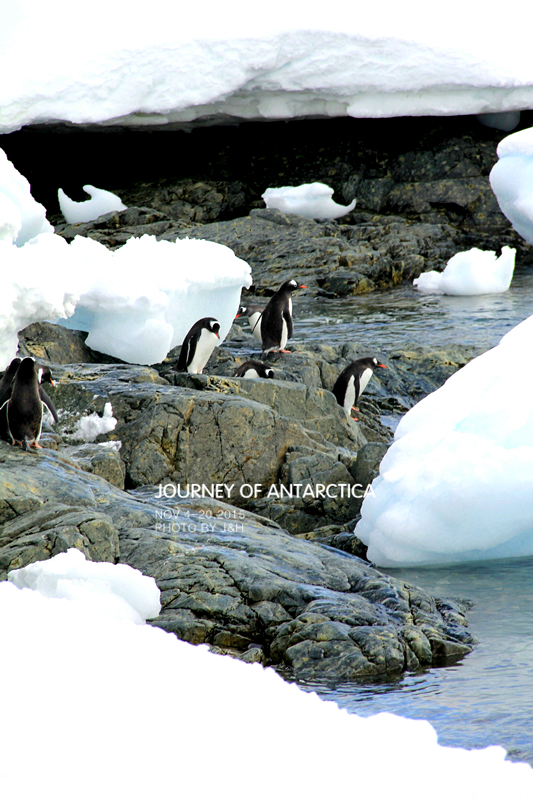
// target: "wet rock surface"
[[227, 577]]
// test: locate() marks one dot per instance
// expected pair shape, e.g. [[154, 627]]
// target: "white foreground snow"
[[101, 707], [218, 61], [511, 179], [456, 484], [101, 202], [311, 200], [471, 272]]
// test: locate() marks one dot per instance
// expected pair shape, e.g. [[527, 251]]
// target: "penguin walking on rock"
[[24, 408], [198, 345], [254, 314], [276, 321], [352, 382], [253, 369]]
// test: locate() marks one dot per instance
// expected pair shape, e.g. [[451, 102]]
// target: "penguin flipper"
[[48, 403], [184, 355], [4, 427]]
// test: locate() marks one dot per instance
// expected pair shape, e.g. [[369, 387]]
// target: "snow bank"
[[311, 200], [114, 590], [511, 179], [472, 272], [456, 484], [224, 63], [145, 710], [101, 202], [21, 217]]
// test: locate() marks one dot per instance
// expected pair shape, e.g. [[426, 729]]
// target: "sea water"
[[487, 697]]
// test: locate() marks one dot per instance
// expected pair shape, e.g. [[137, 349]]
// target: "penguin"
[[44, 375], [7, 380], [24, 408], [352, 382], [254, 314], [276, 321], [198, 345], [253, 369]]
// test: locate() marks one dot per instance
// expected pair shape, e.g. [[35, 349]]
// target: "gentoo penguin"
[[254, 314], [44, 375], [7, 380], [276, 322], [352, 382], [198, 345], [253, 369], [24, 409]]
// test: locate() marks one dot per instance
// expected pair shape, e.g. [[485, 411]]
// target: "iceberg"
[[101, 202], [310, 200], [511, 179], [456, 484], [471, 272]]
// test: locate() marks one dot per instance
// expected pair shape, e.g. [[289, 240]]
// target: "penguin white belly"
[[251, 373], [255, 323], [363, 380], [204, 348], [284, 335], [349, 397]]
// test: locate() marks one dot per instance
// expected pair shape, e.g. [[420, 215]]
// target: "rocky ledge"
[[228, 577], [277, 579]]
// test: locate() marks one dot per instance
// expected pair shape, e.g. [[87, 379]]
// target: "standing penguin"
[[44, 375], [24, 409], [276, 322], [198, 345], [7, 380], [253, 369], [352, 382], [254, 314]]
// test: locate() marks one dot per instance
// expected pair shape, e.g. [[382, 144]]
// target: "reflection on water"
[[396, 317], [485, 699]]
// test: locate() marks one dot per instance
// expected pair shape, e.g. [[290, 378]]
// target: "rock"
[[58, 345]]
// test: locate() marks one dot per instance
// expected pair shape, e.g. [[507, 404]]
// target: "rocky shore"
[[268, 568]]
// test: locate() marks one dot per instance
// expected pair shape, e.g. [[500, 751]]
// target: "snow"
[[131, 310], [456, 483], [101, 202], [21, 217], [472, 272], [92, 425], [380, 60], [152, 716], [511, 179], [311, 200]]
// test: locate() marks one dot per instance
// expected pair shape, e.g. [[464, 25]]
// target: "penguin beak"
[[216, 334], [382, 365], [301, 286], [237, 316]]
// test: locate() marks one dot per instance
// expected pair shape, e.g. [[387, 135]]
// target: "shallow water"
[[397, 317], [487, 698]]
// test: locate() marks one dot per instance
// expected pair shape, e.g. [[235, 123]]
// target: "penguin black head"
[[291, 286], [45, 375], [212, 325]]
